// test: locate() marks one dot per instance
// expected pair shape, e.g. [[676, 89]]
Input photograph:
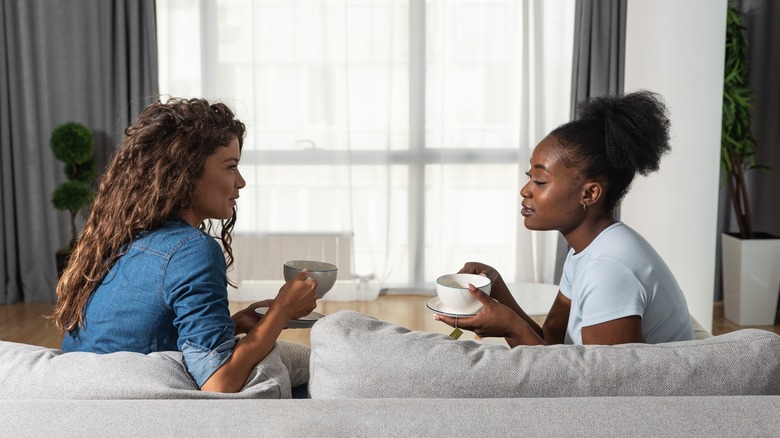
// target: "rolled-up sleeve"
[[196, 289], [201, 362]]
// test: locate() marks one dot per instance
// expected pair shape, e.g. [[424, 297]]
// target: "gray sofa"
[[371, 378]]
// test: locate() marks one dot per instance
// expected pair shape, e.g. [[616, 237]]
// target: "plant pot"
[[62, 261], [751, 279]]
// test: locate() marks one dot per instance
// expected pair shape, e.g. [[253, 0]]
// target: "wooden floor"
[[23, 322]]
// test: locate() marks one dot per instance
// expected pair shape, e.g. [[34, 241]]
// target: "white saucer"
[[303, 322], [434, 304]]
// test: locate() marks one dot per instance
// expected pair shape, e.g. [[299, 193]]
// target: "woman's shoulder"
[[622, 244], [176, 236], [620, 233]]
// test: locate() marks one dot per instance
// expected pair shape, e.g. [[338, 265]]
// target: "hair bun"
[[617, 137], [636, 129]]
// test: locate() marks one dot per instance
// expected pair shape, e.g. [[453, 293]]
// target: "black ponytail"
[[616, 138]]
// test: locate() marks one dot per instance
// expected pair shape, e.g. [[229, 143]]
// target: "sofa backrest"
[[33, 372], [357, 356]]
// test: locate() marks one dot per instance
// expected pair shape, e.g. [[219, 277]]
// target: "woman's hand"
[[498, 288], [495, 319], [297, 298], [245, 319], [481, 269]]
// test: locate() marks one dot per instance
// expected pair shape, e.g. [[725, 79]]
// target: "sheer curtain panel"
[[406, 125]]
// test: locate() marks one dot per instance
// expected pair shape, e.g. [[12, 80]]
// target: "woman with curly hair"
[[615, 288], [148, 274]]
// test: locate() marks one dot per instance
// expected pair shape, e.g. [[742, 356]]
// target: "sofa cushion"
[[33, 372], [356, 356]]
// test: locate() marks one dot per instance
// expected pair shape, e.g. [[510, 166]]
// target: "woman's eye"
[[535, 181]]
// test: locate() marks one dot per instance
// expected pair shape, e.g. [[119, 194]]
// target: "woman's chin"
[[531, 224]]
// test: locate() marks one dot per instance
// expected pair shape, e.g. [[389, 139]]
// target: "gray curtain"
[[763, 34], [87, 61], [599, 59]]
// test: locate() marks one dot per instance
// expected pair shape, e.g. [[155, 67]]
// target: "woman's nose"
[[240, 182], [524, 191]]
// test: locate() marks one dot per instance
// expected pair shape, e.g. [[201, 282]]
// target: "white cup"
[[453, 292]]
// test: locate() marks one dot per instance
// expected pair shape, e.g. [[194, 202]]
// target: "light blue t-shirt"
[[618, 275]]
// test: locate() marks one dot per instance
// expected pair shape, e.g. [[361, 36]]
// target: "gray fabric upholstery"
[[44, 392], [708, 417], [32, 372], [296, 358], [357, 356]]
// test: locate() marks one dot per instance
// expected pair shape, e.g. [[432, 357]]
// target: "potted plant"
[[73, 144], [751, 279]]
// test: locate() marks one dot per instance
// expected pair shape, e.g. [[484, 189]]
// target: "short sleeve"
[[565, 284], [196, 288], [610, 291]]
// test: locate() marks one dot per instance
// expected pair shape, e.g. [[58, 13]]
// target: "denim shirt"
[[167, 292]]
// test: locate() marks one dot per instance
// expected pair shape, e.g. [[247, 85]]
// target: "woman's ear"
[[592, 193]]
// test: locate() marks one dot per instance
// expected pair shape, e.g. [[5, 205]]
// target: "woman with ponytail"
[[148, 272], [615, 288]]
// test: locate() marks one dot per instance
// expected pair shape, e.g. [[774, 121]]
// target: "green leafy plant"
[[73, 144], [738, 146]]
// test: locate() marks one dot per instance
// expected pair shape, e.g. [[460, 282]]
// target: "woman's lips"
[[525, 211]]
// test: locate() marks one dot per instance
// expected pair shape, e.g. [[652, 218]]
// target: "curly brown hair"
[[153, 175]]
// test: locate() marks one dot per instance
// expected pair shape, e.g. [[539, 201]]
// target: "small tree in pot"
[[73, 144], [751, 279], [738, 147]]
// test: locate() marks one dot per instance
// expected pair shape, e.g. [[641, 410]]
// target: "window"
[[409, 123]]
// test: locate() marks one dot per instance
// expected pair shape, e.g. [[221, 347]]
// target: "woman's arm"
[[296, 299], [553, 330], [557, 320], [500, 292], [498, 320], [618, 331], [247, 353], [520, 329], [246, 318]]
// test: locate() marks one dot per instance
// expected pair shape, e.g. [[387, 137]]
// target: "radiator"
[[261, 256]]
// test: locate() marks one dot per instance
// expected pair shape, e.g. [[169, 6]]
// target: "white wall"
[[676, 48]]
